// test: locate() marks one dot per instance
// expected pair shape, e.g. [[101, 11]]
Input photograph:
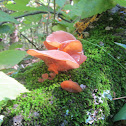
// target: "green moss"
[[39, 100], [100, 72]]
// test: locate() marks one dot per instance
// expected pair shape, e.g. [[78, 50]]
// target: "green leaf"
[[121, 115], [3, 103], [44, 8], [33, 18], [4, 29], [19, 5], [58, 27], [9, 87], [2, 44], [4, 17], [10, 2], [75, 1], [69, 26], [9, 58], [16, 14], [121, 2], [28, 26], [86, 8], [15, 45], [60, 2], [120, 44]]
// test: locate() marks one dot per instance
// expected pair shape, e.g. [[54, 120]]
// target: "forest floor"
[[103, 71]]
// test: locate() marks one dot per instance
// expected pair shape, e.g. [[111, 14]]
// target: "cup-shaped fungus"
[[71, 46], [55, 60], [66, 42], [71, 86], [74, 49], [54, 40], [79, 57]]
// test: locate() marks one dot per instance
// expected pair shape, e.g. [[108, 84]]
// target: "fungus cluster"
[[46, 76], [64, 53]]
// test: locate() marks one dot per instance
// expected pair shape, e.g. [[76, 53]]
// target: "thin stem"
[[54, 11], [29, 41], [118, 98], [47, 23], [39, 12]]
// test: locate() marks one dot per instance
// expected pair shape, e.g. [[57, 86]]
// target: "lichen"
[[100, 73]]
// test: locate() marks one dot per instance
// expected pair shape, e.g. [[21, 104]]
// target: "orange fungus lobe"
[[52, 75], [71, 86], [55, 60], [45, 76], [54, 40]]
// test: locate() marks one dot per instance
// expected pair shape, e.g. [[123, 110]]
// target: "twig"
[[118, 98], [60, 16], [38, 12], [39, 3], [30, 41], [32, 13]]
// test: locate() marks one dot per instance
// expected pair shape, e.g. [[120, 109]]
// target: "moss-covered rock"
[[55, 106], [48, 104]]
